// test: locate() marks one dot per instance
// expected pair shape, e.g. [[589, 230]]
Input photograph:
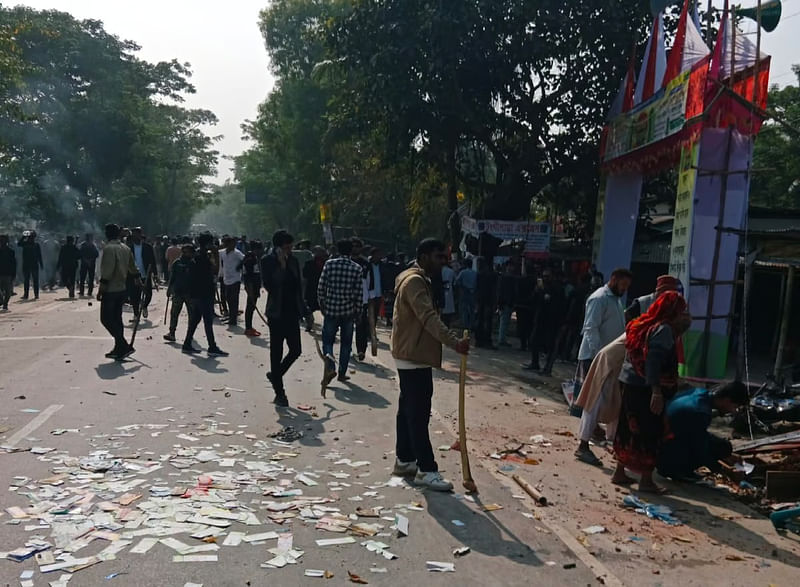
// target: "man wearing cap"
[[641, 304]]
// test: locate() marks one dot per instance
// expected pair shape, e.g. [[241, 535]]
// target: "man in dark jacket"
[[89, 254], [251, 279], [31, 262], [312, 270], [202, 279], [280, 274], [145, 258], [8, 270], [550, 306], [487, 302], [67, 264], [179, 289]]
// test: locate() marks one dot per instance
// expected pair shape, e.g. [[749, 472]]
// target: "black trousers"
[[68, 277], [524, 325], [252, 291], [413, 417], [135, 295], [483, 333], [362, 331], [29, 273], [87, 275], [232, 300], [202, 309], [111, 317], [284, 329]]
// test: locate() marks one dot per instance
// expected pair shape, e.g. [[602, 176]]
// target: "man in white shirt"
[[230, 270]]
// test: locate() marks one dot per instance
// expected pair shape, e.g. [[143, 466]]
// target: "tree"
[[87, 124], [777, 152], [527, 84]]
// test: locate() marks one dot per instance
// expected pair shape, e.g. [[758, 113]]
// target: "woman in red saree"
[[648, 378]]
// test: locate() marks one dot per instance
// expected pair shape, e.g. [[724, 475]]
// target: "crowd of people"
[[627, 358]]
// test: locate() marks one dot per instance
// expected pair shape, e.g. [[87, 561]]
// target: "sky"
[[222, 42]]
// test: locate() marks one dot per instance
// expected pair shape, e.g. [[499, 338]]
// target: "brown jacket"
[[418, 333]]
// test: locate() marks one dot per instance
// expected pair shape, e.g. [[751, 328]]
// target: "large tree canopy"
[[776, 182], [89, 132], [503, 101]]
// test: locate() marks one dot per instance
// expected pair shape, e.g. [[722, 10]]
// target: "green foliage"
[[390, 108], [777, 152], [90, 133]]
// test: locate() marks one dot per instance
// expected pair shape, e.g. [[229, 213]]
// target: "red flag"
[[650, 73], [716, 60], [676, 54]]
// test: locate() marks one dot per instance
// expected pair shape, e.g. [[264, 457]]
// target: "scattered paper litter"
[[263, 536], [144, 545], [192, 585], [336, 541], [461, 551], [439, 567], [401, 523], [195, 558], [594, 530]]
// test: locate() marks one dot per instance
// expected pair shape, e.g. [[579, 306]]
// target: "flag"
[[688, 49], [654, 64]]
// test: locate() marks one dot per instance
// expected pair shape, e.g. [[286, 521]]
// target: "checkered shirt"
[[340, 288]]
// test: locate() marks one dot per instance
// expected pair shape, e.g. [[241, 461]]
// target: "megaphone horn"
[[770, 14]]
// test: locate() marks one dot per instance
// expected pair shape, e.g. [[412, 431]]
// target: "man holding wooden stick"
[[418, 334]]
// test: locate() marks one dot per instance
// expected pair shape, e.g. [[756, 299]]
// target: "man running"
[[417, 337], [339, 292], [116, 266]]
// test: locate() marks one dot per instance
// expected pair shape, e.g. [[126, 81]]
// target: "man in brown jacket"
[[417, 337]]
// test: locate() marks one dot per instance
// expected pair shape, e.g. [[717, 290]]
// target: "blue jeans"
[[505, 321], [329, 327]]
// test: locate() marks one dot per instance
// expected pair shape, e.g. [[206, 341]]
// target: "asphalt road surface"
[[160, 410]]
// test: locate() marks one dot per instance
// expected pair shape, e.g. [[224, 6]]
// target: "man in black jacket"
[[179, 289], [202, 279], [31, 262], [89, 254], [145, 258], [8, 270], [280, 274], [67, 264]]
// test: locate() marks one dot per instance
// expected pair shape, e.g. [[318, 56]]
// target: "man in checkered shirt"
[[340, 294]]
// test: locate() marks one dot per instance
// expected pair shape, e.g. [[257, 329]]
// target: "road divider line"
[[26, 430], [53, 337]]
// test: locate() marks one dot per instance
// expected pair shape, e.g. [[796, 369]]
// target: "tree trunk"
[[453, 221]]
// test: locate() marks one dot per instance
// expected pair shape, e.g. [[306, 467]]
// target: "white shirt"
[[137, 256], [230, 266]]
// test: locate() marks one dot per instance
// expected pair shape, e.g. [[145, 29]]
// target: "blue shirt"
[[468, 279]]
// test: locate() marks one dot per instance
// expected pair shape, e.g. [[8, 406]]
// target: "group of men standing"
[[71, 262]]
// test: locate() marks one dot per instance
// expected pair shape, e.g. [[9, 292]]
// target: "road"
[[162, 413]]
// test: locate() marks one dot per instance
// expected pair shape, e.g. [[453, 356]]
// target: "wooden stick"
[[468, 482], [530, 490]]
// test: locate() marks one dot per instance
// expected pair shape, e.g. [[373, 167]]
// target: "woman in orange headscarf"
[[648, 377]]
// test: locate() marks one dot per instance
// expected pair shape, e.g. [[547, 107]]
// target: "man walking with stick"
[[417, 338]]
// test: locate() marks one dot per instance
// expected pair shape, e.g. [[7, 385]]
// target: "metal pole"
[[708, 24], [758, 54], [749, 259], [787, 314]]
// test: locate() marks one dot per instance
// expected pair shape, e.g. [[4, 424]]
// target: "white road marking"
[[53, 337], [33, 425]]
